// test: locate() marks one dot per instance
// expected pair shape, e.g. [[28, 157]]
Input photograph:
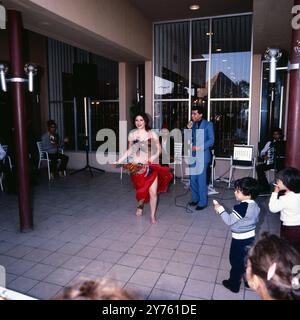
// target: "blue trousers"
[[199, 187], [237, 257]]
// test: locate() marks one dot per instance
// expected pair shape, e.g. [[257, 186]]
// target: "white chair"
[[269, 175], [1, 178], [5, 148], [242, 159], [44, 156], [177, 159], [212, 168]]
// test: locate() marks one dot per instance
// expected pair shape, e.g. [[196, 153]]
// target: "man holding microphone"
[[203, 138]]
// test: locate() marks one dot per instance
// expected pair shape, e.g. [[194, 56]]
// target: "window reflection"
[[200, 39], [199, 87], [230, 120], [220, 71], [170, 115], [171, 60], [230, 75]]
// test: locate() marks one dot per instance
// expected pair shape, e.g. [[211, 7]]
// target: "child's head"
[[246, 188], [95, 290], [270, 269], [289, 179]]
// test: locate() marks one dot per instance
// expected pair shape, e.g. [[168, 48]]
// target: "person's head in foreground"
[[273, 269], [95, 290]]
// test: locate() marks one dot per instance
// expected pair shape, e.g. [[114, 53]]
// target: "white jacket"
[[289, 207]]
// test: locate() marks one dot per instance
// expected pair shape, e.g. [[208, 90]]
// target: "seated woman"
[[141, 160]]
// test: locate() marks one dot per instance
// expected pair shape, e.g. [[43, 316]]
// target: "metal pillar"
[[293, 124], [15, 30]]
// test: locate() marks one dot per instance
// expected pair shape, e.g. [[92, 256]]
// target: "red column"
[[15, 30], [293, 124]]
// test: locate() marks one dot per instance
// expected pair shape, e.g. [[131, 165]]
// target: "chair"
[[242, 159], [44, 156], [177, 159], [212, 168], [1, 178], [5, 148], [269, 175]]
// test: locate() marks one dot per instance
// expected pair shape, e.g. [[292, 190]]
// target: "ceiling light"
[[218, 49], [194, 7]]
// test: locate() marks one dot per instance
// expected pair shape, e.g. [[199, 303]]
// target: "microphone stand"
[[87, 147]]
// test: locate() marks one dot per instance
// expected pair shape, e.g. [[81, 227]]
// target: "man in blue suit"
[[203, 138]]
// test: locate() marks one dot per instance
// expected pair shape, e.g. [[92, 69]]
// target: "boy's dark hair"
[[51, 123], [271, 249], [248, 186], [290, 177]]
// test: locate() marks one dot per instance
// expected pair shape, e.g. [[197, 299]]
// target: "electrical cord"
[[186, 207]]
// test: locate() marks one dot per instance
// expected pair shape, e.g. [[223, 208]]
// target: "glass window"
[[231, 57], [171, 75], [171, 114], [80, 124], [218, 78], [71, 69], [108, 78], [200, 39], [69, 124], [199, 86], [230, 120], [104, 115]]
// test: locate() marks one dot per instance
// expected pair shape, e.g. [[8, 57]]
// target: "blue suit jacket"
[[209, 138]]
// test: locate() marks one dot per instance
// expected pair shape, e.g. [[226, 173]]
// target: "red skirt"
[[143, 181]]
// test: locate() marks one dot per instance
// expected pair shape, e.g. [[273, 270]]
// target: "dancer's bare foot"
[[153, 220], [139, 212]]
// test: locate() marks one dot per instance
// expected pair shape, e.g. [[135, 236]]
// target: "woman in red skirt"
[[141, 160]]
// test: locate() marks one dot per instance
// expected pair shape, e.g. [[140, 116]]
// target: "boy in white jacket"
[[288, 182]]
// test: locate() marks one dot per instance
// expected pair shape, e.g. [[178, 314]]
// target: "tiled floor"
[[86, 227]]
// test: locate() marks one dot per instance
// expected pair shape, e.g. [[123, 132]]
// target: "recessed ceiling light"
[[194, 7]]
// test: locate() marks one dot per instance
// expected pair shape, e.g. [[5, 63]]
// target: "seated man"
[[273, 158], [51, 143]]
